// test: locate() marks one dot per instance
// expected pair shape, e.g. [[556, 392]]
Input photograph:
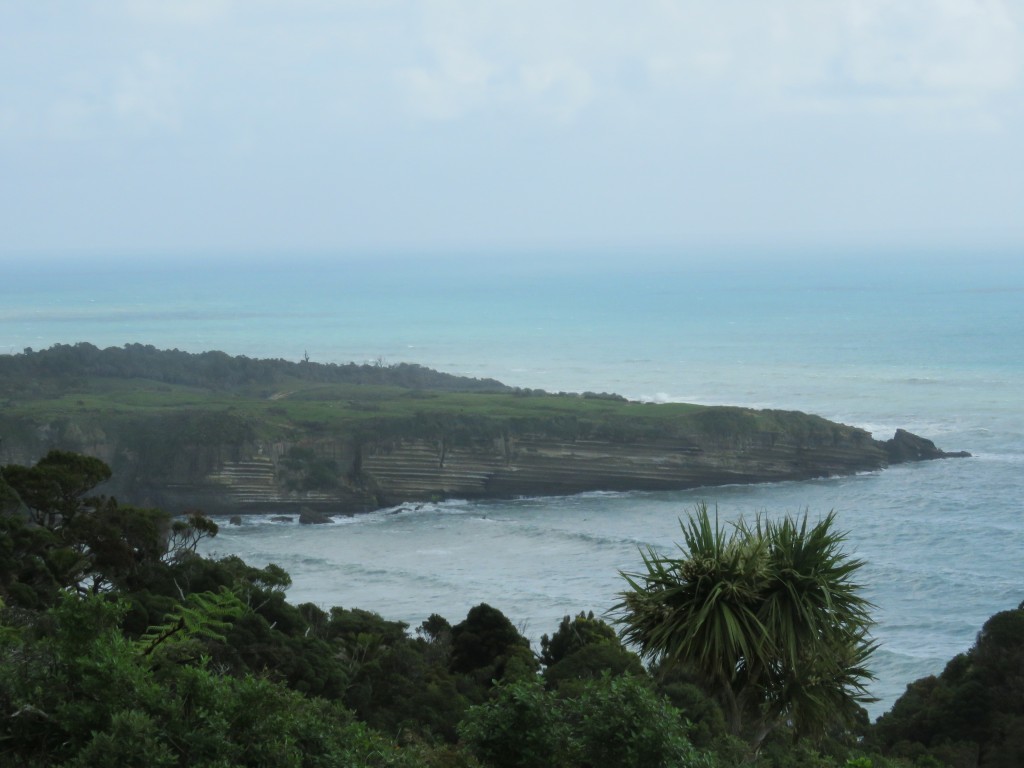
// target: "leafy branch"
[[201, 615]]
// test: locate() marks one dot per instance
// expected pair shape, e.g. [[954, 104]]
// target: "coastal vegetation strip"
[[338, 397], [177, 427], [123, 645]]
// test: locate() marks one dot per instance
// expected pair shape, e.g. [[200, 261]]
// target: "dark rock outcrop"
[[905, 446], [309, 516]]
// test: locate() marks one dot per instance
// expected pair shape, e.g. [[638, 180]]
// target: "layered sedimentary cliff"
[[349, 473], [228, 435], [536, 465]]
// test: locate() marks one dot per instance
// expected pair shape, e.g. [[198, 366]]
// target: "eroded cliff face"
[[226, 435], [360, 472], [352, 477], [536, 465]]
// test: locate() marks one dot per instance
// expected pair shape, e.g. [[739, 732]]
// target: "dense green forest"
[[122, 646], [258, 398], [189, 399], [62, 364]]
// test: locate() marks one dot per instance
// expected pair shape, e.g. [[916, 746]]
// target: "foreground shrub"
[[613, 723]]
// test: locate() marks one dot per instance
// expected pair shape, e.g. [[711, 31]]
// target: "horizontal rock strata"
[[350, 473]]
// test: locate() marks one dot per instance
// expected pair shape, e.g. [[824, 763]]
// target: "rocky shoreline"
[[230, 435], [253, 479]]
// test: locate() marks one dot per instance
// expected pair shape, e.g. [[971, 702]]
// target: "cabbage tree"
[[769, 615]]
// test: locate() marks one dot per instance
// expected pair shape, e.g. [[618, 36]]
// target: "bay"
[[934, 346]]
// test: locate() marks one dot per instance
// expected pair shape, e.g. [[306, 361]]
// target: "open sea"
[[934, 345]]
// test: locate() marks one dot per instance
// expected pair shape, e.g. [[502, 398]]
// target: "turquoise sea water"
[[936, 347]]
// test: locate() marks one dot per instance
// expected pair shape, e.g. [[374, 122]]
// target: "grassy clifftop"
[[356, 434], [122, 388]]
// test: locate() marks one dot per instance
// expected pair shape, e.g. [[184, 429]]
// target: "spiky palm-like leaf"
[[768, 614]]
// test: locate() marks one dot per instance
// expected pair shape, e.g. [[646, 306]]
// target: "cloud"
[[950, 48], [8, 120], [860, 55], [542, 120], [524, 59], [70, 117], [147, 95], [178, 12], [561, 88], [532, 60], [453, 84]]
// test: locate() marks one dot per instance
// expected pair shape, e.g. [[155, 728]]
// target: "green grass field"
[[143, 394], [303, 405]]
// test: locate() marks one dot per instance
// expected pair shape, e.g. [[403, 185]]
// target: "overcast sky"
[[213, 126]]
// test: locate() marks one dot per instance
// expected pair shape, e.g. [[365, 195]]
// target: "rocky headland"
[[299, 439]]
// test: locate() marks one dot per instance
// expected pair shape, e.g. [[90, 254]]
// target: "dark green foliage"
[[612, 723], [486, 646], [185, 442], [521, 727], [585, 648], [768, 616], [306, 471], [973, 713], [574, 634], [133, 739], [121, 645], [394, 683], [54, 490], [398, 689], [33, 563], [88, 543], [682, 689], [621, 722], [271, 637], [436, 630], [80, 695], [61, 678], [200, 616], [591, 662], [120, 544], [187, 532], [66, 364], [10, 501]]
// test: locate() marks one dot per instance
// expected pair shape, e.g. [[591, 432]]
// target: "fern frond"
[[200, 616]]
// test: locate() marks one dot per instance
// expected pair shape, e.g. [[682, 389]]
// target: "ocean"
[[933, 344]]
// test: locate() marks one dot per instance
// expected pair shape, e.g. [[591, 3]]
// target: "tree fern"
[[200, 616]]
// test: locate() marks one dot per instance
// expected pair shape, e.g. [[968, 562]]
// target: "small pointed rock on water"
[[906, 446]]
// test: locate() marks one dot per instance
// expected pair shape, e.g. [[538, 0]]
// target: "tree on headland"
[[585, 648], [54, 490], [487, 646], [767, 615], [70, 537]]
